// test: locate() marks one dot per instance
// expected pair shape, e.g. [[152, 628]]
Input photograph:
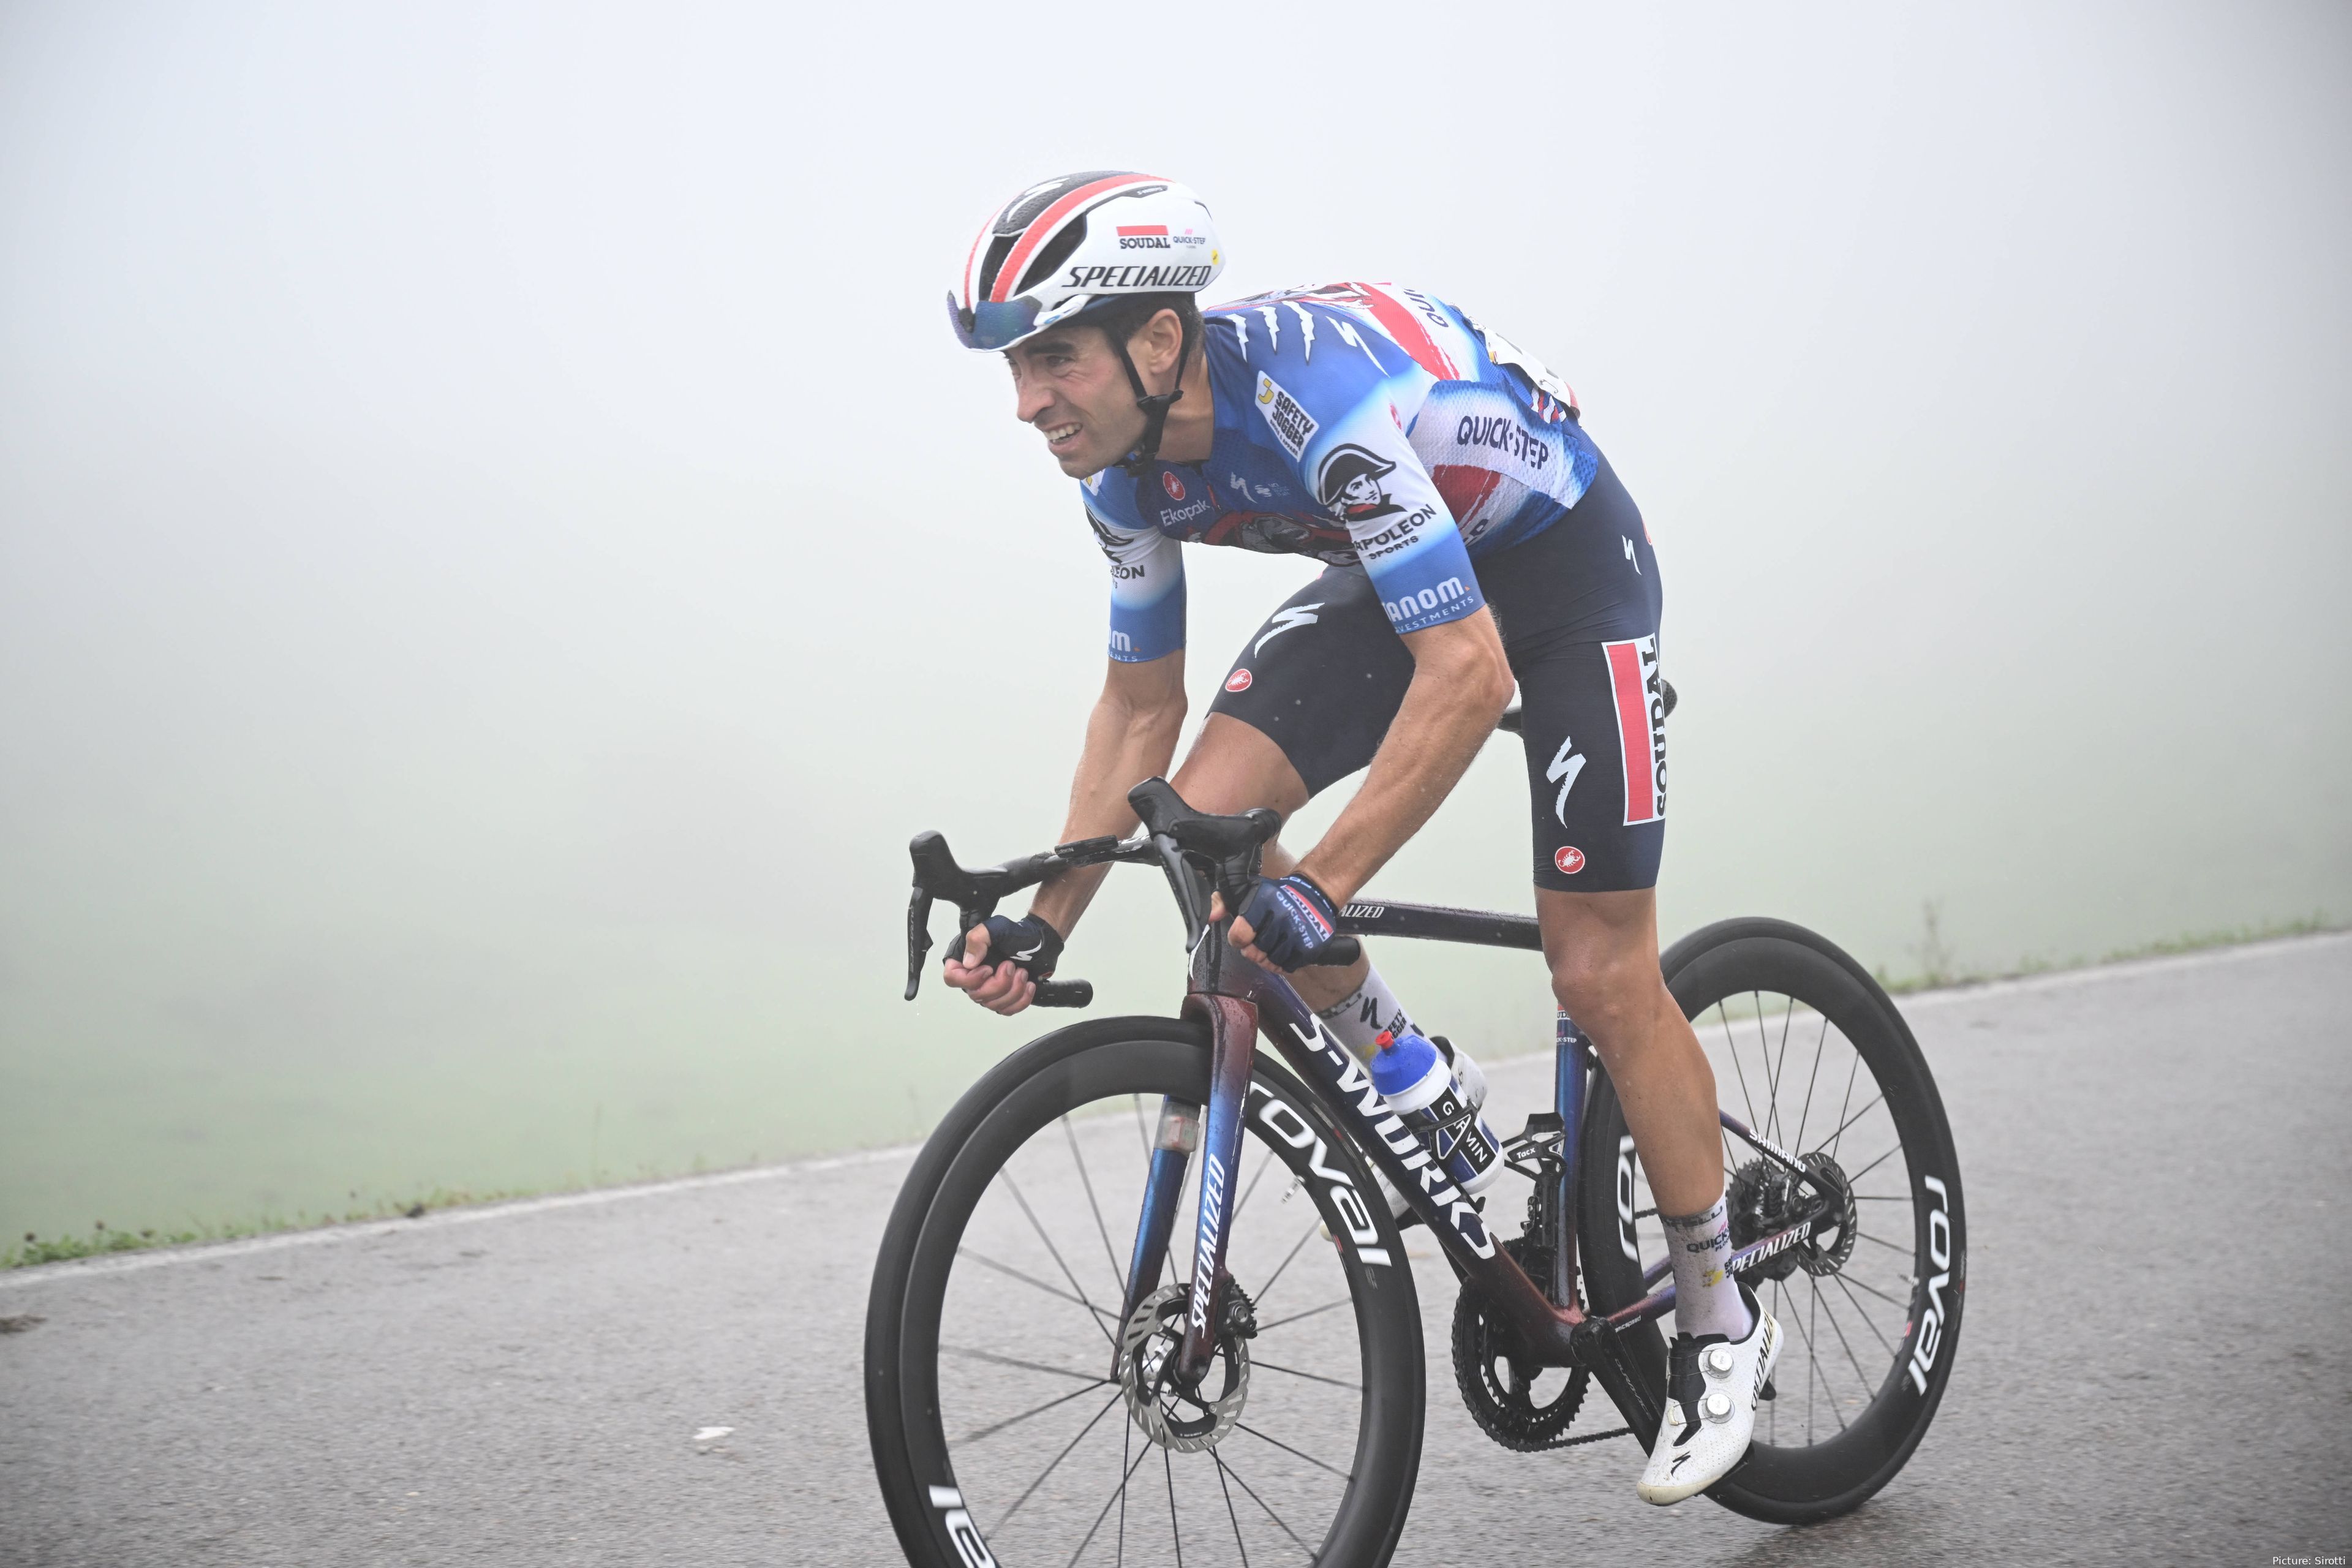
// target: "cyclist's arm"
[[1132, 735], [1461, 683]]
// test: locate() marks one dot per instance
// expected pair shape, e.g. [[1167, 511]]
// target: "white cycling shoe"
[[1712, 1386]]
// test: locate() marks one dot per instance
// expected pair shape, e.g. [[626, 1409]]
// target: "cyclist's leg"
[[1304, 704]]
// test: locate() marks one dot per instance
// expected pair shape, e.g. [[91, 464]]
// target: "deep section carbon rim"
[[1809, 1055], [1029, 1402]]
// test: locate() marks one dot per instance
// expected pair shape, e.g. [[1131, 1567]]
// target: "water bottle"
[[1469, 1079], [1418, 1083]]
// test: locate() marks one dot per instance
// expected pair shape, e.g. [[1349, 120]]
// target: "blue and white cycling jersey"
[[1356, 423]]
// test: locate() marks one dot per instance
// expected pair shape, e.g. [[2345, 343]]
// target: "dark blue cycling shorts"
[[1578, 608]]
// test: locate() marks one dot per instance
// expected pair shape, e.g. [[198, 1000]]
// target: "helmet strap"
[[1155, 405]]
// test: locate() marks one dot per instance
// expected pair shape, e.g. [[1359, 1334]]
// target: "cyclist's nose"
[[1031, 399]]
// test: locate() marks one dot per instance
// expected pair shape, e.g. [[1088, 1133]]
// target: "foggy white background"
[[498, 549]]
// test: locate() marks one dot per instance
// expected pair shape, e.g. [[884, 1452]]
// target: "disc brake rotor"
[[1764, 1196], [1187, 1420]]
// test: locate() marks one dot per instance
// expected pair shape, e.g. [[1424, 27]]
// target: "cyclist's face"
[[1070, 386]]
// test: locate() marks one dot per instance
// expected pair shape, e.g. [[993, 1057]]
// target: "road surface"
[[2156, 1364]]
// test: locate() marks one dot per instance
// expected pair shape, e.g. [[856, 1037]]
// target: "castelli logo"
[[1172, 485], [1239, 681], [1569, 859]]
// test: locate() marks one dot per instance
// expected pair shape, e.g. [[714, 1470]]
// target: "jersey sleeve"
[[1364, 472], [1146, 585]]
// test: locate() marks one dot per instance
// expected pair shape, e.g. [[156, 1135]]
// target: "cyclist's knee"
[[1234, 767], [1610, 994]]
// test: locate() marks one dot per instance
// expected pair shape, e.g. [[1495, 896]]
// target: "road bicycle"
[[1057, 1371]]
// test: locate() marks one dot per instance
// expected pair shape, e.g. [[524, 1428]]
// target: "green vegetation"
[[1938, 969], [100, 1240]]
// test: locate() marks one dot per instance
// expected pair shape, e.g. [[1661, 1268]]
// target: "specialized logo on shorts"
[[1239, 681], [1569, 859], [1291, 424], [1172, 485], [1641, 697]]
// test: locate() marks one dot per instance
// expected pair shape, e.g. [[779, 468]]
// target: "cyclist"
[[1473, 534]]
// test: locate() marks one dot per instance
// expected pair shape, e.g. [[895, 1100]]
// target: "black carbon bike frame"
[[1239, 1000]]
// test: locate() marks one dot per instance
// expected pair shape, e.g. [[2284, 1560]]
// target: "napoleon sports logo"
[[1639, 695]]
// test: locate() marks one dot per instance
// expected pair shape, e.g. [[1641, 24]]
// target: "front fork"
[[1233, 1034]]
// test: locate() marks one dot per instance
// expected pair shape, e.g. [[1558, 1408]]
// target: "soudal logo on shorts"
[[1639, 694], [1239, 681], [1569, 859], [1172, 485]]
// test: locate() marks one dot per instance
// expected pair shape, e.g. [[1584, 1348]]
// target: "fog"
[[498, 550]]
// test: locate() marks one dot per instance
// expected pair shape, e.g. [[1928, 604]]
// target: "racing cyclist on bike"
[[1474, 536]]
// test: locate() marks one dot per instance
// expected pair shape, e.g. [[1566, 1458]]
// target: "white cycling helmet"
[[1067, 245], [1080, 240]]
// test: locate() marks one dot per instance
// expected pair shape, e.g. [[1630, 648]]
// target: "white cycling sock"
[[1707, 1300], [1369, 1009]]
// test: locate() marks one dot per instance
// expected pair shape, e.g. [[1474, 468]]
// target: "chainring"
[[1497, 1380]]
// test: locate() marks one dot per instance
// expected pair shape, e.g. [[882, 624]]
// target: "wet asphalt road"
[[2156, 1364]]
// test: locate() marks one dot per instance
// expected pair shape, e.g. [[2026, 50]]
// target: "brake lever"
[[919, 939]]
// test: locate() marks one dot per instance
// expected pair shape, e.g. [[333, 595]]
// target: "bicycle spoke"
[[1085, 1181], [1169, 1467], [1746, 1098], [968, 1353], [1287, 1448], [1126, 1447], [1309, 1376], [1874, 1290], [1053, 1463], [1797, 1143], [1267, 1289], [1011, 1272], [1230, 1512], [1265, 1329], [1858, 1307], [1267, 1159], [1850, 1074], [1860, 1376], [1242, 1482], [1873, 1164], [986, 1432], [1771, 1074], [1865, 1235], [1875, 1099], [1083, 1299]]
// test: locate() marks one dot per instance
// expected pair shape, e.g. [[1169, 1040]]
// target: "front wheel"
[[1808, 1051], [1013, 1417]]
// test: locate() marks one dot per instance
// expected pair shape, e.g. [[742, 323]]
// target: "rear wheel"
[[1003, 1398], [1810, 1052]]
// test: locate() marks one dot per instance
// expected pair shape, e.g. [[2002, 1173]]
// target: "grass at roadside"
[[99, 1240], [1939, 971]]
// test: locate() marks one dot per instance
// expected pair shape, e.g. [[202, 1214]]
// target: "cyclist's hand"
[[1001, 962], [1285, 922]]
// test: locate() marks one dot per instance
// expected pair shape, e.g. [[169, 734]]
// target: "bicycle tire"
[[938, 1525], [1714, 971]]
